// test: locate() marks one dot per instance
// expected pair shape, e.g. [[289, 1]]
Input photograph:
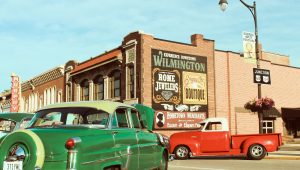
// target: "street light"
[[252, 8]]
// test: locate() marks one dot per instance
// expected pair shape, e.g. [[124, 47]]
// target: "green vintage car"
[[98, 135]]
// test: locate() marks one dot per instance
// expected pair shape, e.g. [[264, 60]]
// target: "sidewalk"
[[287, 152]]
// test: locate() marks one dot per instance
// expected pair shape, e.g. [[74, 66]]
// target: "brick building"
[[183, 82], [44, 89], [186, 83]]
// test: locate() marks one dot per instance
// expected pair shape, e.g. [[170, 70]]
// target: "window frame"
[[115, 76], [138, 118], [265, 126], [84, 86], [97, 90], [115, 118], [130, 81]]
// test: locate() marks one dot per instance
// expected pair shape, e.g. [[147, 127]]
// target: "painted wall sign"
[[179, 90]]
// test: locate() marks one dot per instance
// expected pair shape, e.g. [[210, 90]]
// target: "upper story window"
[[130, 81], [115, 84], [84, 92], [69, 92], [99, 88]]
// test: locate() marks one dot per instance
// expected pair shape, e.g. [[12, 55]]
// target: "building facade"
[[183, 82]]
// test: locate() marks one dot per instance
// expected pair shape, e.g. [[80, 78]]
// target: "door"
[[149, 154], [125, 140], [215, 140]]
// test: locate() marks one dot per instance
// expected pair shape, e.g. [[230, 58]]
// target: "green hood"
[[147, 115]]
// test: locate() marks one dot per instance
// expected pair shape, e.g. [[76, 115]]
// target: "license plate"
[[13, 165]]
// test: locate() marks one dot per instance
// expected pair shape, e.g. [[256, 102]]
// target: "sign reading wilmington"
[[176, 61], [179, 87]]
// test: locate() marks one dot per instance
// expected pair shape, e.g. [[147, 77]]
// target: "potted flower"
[[256, 105]]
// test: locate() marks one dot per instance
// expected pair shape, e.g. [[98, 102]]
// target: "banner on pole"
[[249, 47]]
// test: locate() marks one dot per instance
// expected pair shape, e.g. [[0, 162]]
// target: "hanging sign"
[[15, 93]]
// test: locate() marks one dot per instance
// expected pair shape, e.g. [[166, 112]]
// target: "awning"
[[273, 112], [290, 113]]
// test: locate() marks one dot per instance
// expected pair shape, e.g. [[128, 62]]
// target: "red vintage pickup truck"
[[213, 139]]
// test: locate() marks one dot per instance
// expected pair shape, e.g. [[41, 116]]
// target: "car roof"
[[17, 117], [107, 106]]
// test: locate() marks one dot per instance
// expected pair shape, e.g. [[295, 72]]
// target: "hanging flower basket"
[[256, 105]]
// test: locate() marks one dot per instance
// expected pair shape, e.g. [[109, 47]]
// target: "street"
[[233, 164]]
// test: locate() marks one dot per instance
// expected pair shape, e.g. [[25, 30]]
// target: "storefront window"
[[99, 88], [84, 90]]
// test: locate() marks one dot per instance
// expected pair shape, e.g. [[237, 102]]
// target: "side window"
[[98, 118], [135, 119], [214, 126], [122, 118]]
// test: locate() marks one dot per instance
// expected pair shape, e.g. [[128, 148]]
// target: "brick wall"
[[234, 87], [57, 83]]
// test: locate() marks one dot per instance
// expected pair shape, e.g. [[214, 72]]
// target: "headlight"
[[164, 140]]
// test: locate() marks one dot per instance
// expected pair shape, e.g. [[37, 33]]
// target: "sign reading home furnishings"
[[179, 89]]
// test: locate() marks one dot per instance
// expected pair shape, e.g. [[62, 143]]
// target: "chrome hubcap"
[[182, 152], [257, 150]]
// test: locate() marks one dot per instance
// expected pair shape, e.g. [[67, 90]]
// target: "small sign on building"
[[261, 76]]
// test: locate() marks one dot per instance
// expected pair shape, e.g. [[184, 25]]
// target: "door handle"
[[115, 132]]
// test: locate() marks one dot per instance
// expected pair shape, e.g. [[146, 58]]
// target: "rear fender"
[[269, 145]]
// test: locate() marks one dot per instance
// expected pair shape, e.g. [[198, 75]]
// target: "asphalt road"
[[234, 164]]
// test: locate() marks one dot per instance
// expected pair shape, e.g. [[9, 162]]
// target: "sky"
[[38, 35]]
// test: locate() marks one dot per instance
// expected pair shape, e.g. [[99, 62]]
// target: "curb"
[[283, 157]]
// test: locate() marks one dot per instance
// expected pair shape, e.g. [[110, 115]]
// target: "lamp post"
[[252, 8]]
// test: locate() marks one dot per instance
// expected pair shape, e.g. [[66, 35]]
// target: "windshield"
[[70, 117]]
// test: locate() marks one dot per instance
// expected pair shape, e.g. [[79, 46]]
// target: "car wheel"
[[23, 145], [256, 152], [182, 152], [164, 161]]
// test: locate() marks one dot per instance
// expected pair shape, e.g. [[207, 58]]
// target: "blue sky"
[[37, 35]]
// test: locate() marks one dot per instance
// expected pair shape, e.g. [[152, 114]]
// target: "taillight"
[[70, 144]]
